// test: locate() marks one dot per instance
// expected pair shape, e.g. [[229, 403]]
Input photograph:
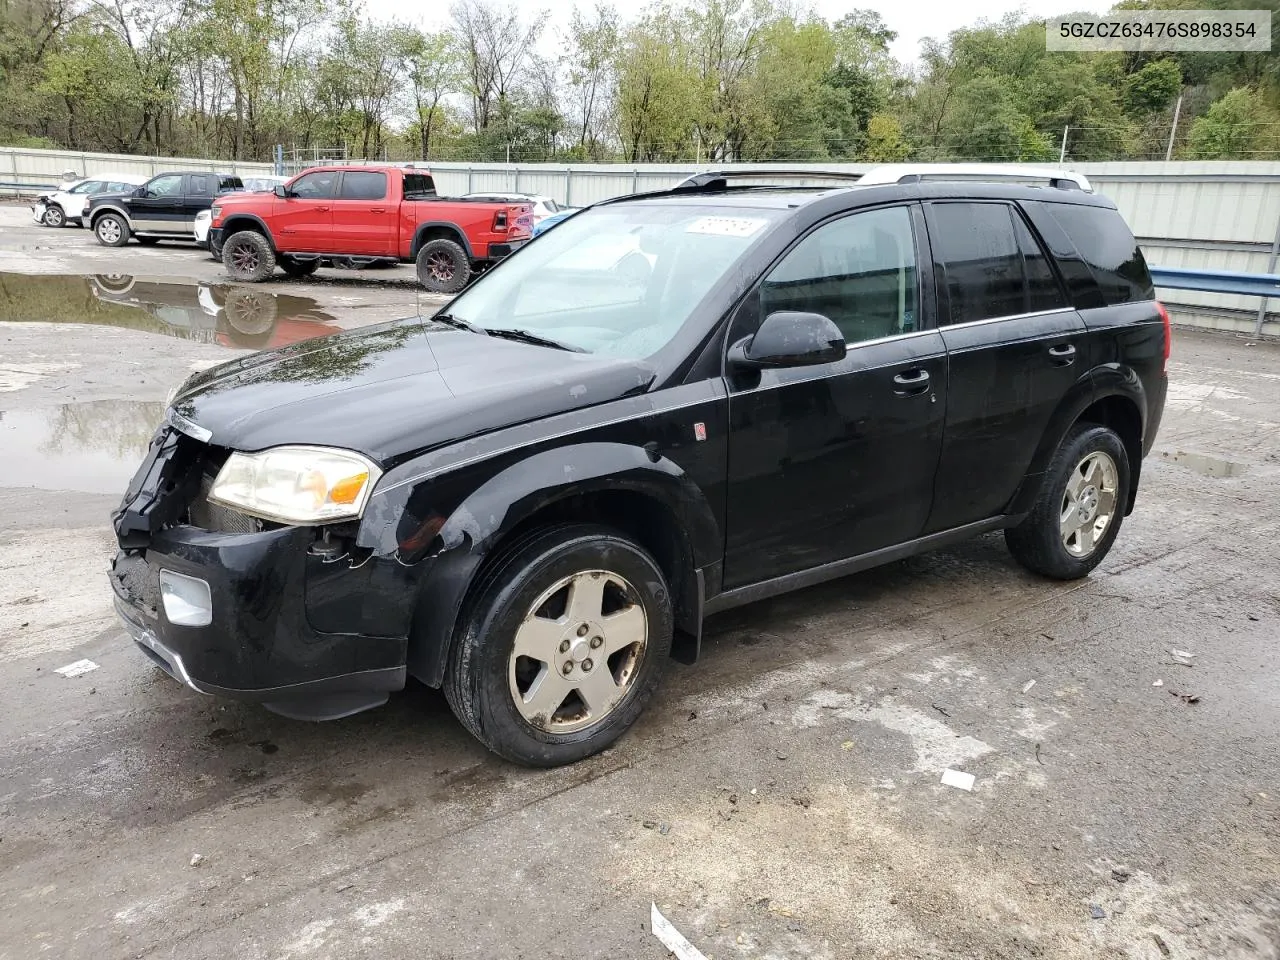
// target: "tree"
[[1152, 88], [885, 143], [432, 63], [658, 92], [495, 44], [592, 65], [1237, 127]]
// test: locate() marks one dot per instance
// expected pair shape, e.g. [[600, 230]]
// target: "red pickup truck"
[[365, 214]]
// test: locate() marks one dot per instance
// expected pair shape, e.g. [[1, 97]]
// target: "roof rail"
[[1020, 173], [719, 179]]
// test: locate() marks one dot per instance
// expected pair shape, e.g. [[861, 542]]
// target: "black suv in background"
[[163, 208], [672, 404]]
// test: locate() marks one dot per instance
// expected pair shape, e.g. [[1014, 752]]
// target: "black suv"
[[672, 404], [163, 208]]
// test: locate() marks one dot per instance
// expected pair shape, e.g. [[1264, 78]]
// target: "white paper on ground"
[[77, 668], [956, 778], [672, 938]]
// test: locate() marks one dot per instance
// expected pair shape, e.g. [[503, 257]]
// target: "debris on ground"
[[650, 824], [958, 778], [942, 711], [1026, 687], [1097, 912], [802, 802], [197, 859], [1161, 945], [1181, 658], [847, 745], [1038, 760], [1158, 683], [664, 828], [672, 938], [1120, 874], [1185, 697], [77, 668]]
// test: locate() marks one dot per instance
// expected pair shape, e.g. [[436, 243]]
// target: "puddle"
[[233, 316], [92, 447], [1204, 464]]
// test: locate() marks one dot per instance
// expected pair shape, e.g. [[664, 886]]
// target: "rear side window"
[[1107, 245], [229, 183], [198, 186], [363, 185], [418, 186], [994, 266]]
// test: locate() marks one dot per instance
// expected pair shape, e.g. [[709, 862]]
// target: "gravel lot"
[[781, 799]]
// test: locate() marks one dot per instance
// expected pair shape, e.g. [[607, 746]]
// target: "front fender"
[[96, 212], [445, 534]]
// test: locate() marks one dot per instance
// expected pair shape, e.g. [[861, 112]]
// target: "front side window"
[[859, 270], [363, 185], [618, 280], [169, 185], [315, 186]]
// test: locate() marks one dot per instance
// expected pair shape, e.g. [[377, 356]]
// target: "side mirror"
[[790, 339], [281, 191]]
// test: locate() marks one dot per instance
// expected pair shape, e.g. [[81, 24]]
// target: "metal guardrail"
[[1264, 285]]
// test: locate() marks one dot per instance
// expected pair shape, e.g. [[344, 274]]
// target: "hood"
[[396, 390]]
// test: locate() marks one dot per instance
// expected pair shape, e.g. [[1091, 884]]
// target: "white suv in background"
[[543, 207], [260, 183], [68, 203]]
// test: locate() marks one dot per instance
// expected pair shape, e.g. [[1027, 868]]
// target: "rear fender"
[[461, 538], [420, 237]]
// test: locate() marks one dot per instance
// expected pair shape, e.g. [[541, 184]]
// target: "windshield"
[[619, 280]]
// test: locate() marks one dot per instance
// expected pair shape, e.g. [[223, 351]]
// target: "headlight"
[[299, 485], [214, 212]]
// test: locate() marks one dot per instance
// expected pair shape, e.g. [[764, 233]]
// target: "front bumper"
[[268, 593], [37, 211]]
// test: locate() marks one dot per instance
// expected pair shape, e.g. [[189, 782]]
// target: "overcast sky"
[[912, 19]]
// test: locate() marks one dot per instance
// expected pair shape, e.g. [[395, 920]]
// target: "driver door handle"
[[1063, 354], [911, 383]]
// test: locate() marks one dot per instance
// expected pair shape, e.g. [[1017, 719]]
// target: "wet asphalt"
[[781, 798]]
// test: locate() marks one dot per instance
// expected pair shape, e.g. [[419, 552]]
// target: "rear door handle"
[[323, 209], [378, 210], [1063, 354], [911, 383]]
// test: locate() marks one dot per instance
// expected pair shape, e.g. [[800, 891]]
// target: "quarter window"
[[994, 266], [363, 185], [860, 271]]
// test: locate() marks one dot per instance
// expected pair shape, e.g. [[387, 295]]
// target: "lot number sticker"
[[725, 226]]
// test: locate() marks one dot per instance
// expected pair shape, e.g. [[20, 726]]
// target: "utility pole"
[[1062, 152], [1173, 131]]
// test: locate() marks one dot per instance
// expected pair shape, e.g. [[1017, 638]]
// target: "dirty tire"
[[298, 269], [443, 266], [248, 256], [111, 230], [480, 674], [54, 216], [1038, 542]]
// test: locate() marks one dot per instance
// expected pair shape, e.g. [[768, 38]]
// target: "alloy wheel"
[[441, 266], [1089, 503], [245, 258], [577, 652], [109, 229]]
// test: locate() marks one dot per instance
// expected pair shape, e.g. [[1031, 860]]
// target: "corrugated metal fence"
[[1204, 215]]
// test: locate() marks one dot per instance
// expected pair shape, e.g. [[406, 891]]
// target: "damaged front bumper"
[[267, 591]]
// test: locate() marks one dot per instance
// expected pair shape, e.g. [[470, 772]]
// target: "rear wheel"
[[443, 266], [248, 256], [1081, 505], [111, 230], [299, 268], [54, 216], [562, 646]]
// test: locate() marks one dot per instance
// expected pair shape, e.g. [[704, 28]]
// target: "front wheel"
[[443, 266], [54, 217], [562, 646], [111, 230], [248, 256], [1082, 501]]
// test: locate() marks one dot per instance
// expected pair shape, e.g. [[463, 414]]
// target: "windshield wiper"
[[526, 336], [452, 321]]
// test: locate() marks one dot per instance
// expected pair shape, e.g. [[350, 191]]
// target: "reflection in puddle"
[[232, 316], [93, 447], [1204, 464]]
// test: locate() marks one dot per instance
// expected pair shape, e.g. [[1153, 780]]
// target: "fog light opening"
[[187, 602]]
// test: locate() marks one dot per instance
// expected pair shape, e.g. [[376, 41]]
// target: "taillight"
[[500, 221], [1168, 336]]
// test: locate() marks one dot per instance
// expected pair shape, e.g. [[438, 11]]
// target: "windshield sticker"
[[725, 226]]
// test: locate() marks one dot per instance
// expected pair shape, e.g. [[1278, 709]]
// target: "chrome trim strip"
[[185, 426], [1012, 316], [148, 639]]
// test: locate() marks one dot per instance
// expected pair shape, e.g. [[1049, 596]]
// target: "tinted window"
[[315, 186], [198, 186], [984, 268], [1043, 292], [418, 185], [362, 185], [860, 271], [228, 183], [1108, 246], [169, 185]]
